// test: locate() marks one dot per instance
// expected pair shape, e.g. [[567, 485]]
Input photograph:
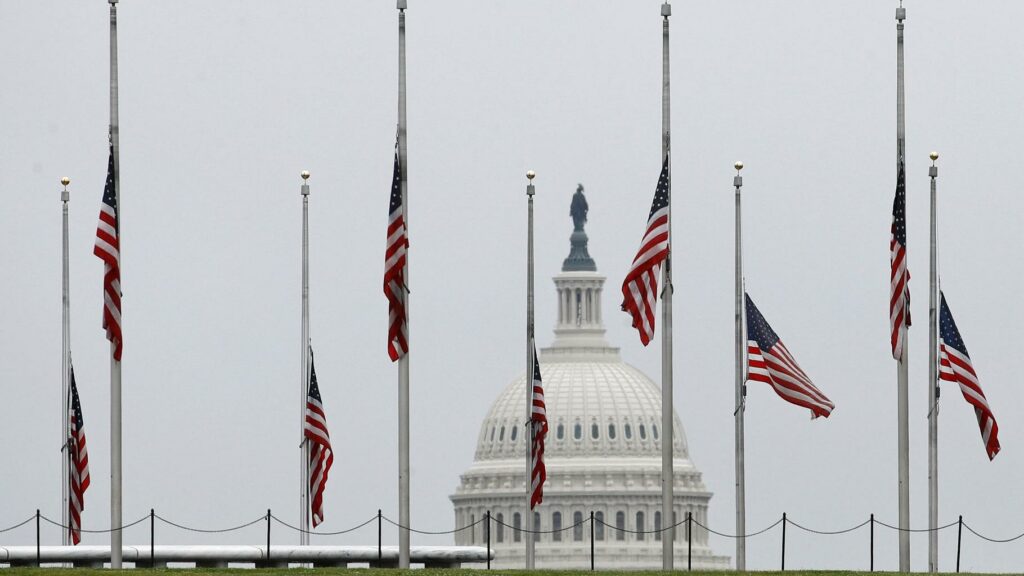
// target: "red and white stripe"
[[957, 367], [394, 269], [899, 276], [539, 425], [321, 457], [108, 249], [640, 290], [778, 368], [898, 297], [78, 467]]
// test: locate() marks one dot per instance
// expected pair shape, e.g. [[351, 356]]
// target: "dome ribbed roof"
[[623, 404]]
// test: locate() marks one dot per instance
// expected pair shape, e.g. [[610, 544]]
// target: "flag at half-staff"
[[78, 463], [899, 276], [321, 457], [539, 425], [108, 249], [955, 366], [769, 361], [640, 288], [394, 267]]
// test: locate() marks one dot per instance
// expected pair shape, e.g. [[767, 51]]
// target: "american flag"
[[78, 462], [108, 249], [394, 268], [769, 361], [320, 455], [899, 276], [640, 288], [955, 366], [539, 426]]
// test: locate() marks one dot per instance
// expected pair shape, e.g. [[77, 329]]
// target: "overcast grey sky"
[[224, 103]]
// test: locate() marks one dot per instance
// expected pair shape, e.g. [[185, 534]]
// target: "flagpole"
[[933, 382], [403, 362], [304, 384], [115, 365], [528, 517], [903, 401], [65, 361], [667, 472], [741, 388]]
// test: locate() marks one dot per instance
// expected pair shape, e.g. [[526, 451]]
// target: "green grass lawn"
[[382, 572]]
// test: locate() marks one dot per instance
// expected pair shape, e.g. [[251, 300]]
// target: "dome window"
[[643, 432], [611, 431], [517, 527], [639, 527], [501, 435], [492, 433], [598, 526], [560, 432], [628, 431], [556, 526], [595, 431], [654, 431], [515, 432], [577, 432], [577, 526], [501, 526], [620, 526]]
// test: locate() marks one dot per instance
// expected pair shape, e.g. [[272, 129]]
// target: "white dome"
[[602, 452], [595, 409]]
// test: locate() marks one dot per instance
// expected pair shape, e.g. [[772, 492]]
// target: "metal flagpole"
[[528, 517], [903, 401], [304, 384], [667, 472], [741, 387], [115, 365], [66, 363], [403, 363], [933, 383]]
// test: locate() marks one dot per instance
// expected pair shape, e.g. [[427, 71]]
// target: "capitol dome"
[[602, 451]]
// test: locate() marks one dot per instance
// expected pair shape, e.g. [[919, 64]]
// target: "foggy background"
[[222, 104]]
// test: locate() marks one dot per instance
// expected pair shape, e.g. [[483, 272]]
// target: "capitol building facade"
[[602, 452]]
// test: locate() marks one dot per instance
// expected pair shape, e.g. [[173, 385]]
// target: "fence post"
[[379, 545], [268, 537], [488, 528], [959, 533], [689, 540], [872, 541], [784, 521], [152, 538], [591, 540], [38, 555]]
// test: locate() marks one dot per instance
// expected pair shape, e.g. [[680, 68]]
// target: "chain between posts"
[[19, 524], [430, 533], [297, 529], [106, 531], [207, 531]]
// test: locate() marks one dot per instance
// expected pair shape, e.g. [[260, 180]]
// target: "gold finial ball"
[[934, 156], [530, 175], [738, 165], [305, 174], [65, 180]]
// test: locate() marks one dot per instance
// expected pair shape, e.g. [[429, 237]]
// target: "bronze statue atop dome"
[[579, 259], [579, 208]]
